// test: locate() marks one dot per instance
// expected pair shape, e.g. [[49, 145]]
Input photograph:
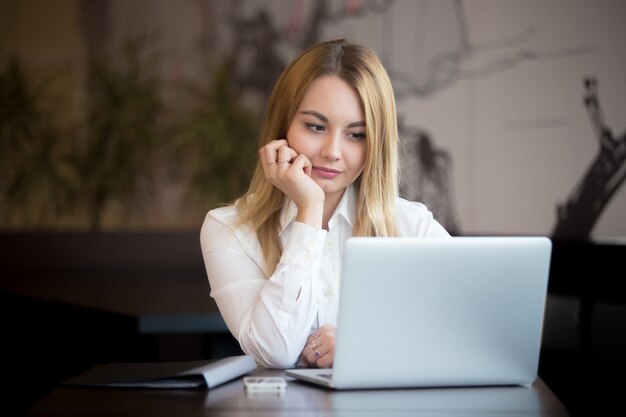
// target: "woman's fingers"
[[289, 171], [269, 153], [314, 353], [320, 356], [303, 163], [326, 361], [320, 348], [277, 157], [277, 151], [285, 155]]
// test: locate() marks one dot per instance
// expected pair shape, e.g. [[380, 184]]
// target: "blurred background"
[[143, 115], [123, 122]]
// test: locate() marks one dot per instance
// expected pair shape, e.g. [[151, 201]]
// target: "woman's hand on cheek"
[[290, 172], [319, 350]]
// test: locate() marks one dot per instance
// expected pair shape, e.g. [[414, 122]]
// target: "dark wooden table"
[[301, 399]]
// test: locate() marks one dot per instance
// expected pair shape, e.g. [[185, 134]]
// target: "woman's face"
[[329, 129]]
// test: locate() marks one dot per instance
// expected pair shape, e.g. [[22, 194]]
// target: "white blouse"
[[272, 317]]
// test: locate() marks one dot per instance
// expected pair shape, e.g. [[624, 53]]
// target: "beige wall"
[[45, 37]]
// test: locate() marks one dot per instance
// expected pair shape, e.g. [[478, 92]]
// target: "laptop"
[[415, 312]]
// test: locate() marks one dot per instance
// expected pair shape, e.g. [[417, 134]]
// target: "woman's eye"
[[315, 128], [357, 135]]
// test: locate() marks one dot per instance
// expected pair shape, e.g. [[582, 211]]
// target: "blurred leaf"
[[122, 129], [112, 163], [217, 144], [36, 174]]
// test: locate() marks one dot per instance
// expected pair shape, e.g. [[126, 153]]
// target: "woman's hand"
[[290, 172], [319, 350]]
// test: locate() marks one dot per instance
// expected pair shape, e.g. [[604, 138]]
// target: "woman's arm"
[[270, 317]]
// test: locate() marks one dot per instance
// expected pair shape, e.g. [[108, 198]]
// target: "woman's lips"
[[326, 172]]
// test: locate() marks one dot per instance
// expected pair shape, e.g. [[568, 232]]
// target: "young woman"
[[327, 170]]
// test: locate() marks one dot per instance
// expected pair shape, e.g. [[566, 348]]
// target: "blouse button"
[[328, 292], [306, 257]]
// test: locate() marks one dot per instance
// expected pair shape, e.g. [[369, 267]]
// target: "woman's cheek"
[[296, 141]]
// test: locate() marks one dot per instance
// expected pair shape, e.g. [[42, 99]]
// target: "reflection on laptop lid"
[[416, 312]]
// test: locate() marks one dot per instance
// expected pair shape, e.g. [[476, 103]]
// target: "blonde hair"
[[376, 188]]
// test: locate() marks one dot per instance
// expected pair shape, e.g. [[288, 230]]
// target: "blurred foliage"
[[122, 131], [36, 172], [107, 162], [216, 145]]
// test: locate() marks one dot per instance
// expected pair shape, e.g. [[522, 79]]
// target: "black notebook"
[[166, 375]]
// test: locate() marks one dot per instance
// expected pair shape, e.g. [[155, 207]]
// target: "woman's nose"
[[331, 149]]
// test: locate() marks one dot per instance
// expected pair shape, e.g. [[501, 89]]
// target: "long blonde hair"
[[376, 188]]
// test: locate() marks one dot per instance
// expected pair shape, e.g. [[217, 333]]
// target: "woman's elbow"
[[274, 357], [280, 362]]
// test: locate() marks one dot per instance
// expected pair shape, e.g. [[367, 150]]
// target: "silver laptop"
[[466, 311]]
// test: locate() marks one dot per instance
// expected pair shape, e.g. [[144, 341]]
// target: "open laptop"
[[414, 312]]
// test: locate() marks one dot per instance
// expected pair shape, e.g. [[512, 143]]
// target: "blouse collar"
[[346, 209]]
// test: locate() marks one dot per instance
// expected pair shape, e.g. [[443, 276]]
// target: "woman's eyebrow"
[[325, 119], [315, 114], [357, 124]]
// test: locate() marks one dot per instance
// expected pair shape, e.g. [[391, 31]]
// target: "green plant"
[[36, 174], [101, 171], [121, 133], [216, 145]]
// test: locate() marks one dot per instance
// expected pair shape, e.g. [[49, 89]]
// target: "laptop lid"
[[440, 312]]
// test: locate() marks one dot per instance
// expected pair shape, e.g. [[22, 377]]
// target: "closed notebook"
[[166, 375]]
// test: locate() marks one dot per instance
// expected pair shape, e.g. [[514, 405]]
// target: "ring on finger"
[[271, 162], [317, 354], [283, 160]]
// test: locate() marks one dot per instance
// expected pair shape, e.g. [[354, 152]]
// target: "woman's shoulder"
[[222, 225], [415, 219], [411, 208], [222, 232], [226, 215]]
